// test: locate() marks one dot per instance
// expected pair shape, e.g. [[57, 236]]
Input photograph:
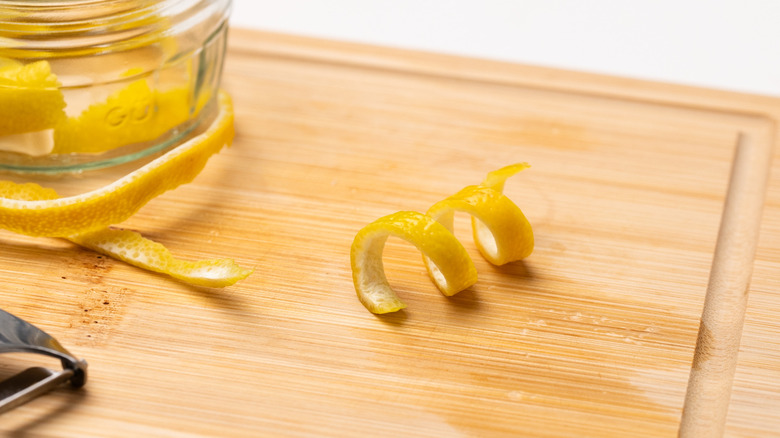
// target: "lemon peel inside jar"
[[67, 104], [31, 209], [30, 98], [86, 85]]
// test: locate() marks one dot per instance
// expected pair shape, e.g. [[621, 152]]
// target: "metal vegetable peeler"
[[17, 335]]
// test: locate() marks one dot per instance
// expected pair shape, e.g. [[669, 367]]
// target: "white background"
[[725, 44]]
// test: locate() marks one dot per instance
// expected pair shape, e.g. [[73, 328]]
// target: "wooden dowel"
[[720, 330]]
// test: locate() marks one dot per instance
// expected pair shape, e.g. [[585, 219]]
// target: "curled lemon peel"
[[113, 203], [501, 232], [449, 266], [134, 249]]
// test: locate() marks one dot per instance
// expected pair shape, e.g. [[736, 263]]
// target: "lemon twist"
[[449, 266], [501, 232], [111, 204]]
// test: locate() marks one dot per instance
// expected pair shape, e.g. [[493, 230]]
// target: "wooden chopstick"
[[720, 331]]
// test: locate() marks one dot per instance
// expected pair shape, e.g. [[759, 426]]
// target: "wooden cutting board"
[[593, 335]]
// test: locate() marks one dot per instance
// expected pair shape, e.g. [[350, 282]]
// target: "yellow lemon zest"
[[501, 231], [449, 266], [111, 204], [139, 251], [30, 97]]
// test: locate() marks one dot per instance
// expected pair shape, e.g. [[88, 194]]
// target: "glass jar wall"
[[86, 84]]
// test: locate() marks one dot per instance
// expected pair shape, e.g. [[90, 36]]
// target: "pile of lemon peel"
[[84, 219], [501, 232]]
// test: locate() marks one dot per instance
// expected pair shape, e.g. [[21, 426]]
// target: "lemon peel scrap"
[[113, 203], [134, 249], [501, 232], [449, 266], [30, 97]]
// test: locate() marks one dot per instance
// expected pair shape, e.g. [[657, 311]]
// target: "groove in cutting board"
[[720, 332]]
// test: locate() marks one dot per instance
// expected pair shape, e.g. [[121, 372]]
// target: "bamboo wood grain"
[[594, 335]]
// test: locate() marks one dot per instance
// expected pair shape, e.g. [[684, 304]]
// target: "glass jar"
[[87, 84]]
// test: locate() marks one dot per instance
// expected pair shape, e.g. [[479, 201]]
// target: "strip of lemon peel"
[[501, 232], [134, 249], [449, 266], [111, 204]]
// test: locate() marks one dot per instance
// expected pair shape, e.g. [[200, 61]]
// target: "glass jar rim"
[[50, 28]]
